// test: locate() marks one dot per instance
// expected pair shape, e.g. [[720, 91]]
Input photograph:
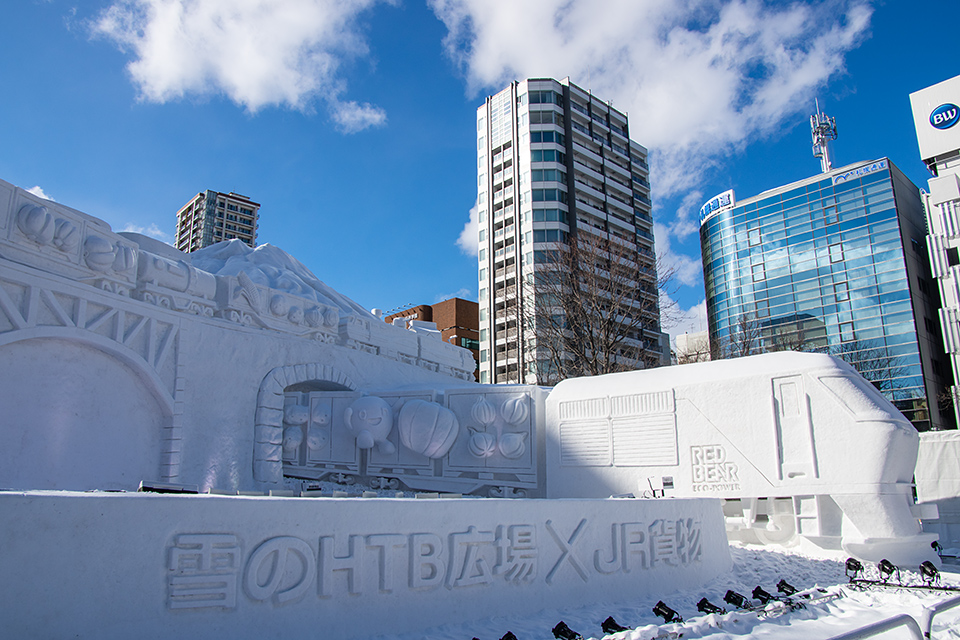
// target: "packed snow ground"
[[752, 566]]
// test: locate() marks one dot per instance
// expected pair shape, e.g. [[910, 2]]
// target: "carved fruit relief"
[[427, 428], [482, 444], [98, 253], [67, 236], [514, 410], [484, 412], [36, 223], [512, 445]]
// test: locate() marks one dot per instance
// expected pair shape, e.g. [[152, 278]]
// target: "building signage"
[[853, 174], [936, 116], [716, 204], [945, 116]]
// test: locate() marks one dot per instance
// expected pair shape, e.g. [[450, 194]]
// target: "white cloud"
[[692, 320], [686, 270], [256, 52], [469, 240], [37, 191], [462, 293], [698, 79], [153, 231]]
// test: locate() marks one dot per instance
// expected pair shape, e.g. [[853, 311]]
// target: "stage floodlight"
[[705, 606], [929, 572], [737, 600], [612, 626], [854, 568], [786, 588], [563, 632], [665, 612]]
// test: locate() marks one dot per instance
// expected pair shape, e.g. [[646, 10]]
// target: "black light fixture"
[[786, 588], [929, 572], [936, 547], [737, 600], [665, 612], [612, 626], [761, 594], [887, 569], [854, 568], [705, 606], [563, 632]]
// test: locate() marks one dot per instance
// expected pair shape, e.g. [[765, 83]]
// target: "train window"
[[850, 394]]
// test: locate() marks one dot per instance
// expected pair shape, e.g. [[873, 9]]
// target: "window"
[[549, 235], [953, 256], [842, 291], [754, 237], [547, 155], [758, 272], [544, 97], [549, 195], [836, 253], [846, 332], [469, 343], [549, 175], [546, 136]]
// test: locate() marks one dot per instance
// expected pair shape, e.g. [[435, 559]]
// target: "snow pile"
[[272, 267], [753, 566]]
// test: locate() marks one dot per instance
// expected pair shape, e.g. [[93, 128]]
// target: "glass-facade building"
[[834, 263]]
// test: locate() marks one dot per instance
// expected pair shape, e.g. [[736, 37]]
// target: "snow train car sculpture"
[[798, 445]]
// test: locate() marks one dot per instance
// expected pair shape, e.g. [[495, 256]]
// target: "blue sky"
[[353, 123]]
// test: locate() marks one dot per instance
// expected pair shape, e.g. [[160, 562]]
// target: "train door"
[[795, 447]]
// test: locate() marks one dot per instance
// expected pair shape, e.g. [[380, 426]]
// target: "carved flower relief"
[[295, 315]]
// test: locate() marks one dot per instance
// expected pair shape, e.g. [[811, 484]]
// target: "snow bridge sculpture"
[[233, 370]]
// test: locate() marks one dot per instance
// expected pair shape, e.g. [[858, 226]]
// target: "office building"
[[835, 263], [211, 216], [936, 117], [456, 319], [557, 169]]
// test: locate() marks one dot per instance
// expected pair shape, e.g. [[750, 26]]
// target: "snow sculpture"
[[370, 420], [800, 447], [427, 428]]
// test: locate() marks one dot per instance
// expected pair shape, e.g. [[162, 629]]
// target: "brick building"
[[456, 319]]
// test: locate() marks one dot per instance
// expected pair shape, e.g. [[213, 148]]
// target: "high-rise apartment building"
[[211, 217], [936, 116], [556, 169], [836, 263]]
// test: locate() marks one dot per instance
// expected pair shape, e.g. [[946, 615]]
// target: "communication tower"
[[823, 129]]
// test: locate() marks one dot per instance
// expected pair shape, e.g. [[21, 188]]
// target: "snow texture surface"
[[272, 267], [753, 566]]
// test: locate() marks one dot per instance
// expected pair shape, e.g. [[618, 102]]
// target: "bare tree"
[[594, 308], [874, 361], [697, 350], [745, 338]]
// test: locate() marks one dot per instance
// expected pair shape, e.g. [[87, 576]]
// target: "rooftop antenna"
[[823, 129]]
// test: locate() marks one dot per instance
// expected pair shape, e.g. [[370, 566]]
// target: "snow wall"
[[938, 483], [159, 566]]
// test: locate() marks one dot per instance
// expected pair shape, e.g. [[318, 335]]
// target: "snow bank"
[[159, 566]]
